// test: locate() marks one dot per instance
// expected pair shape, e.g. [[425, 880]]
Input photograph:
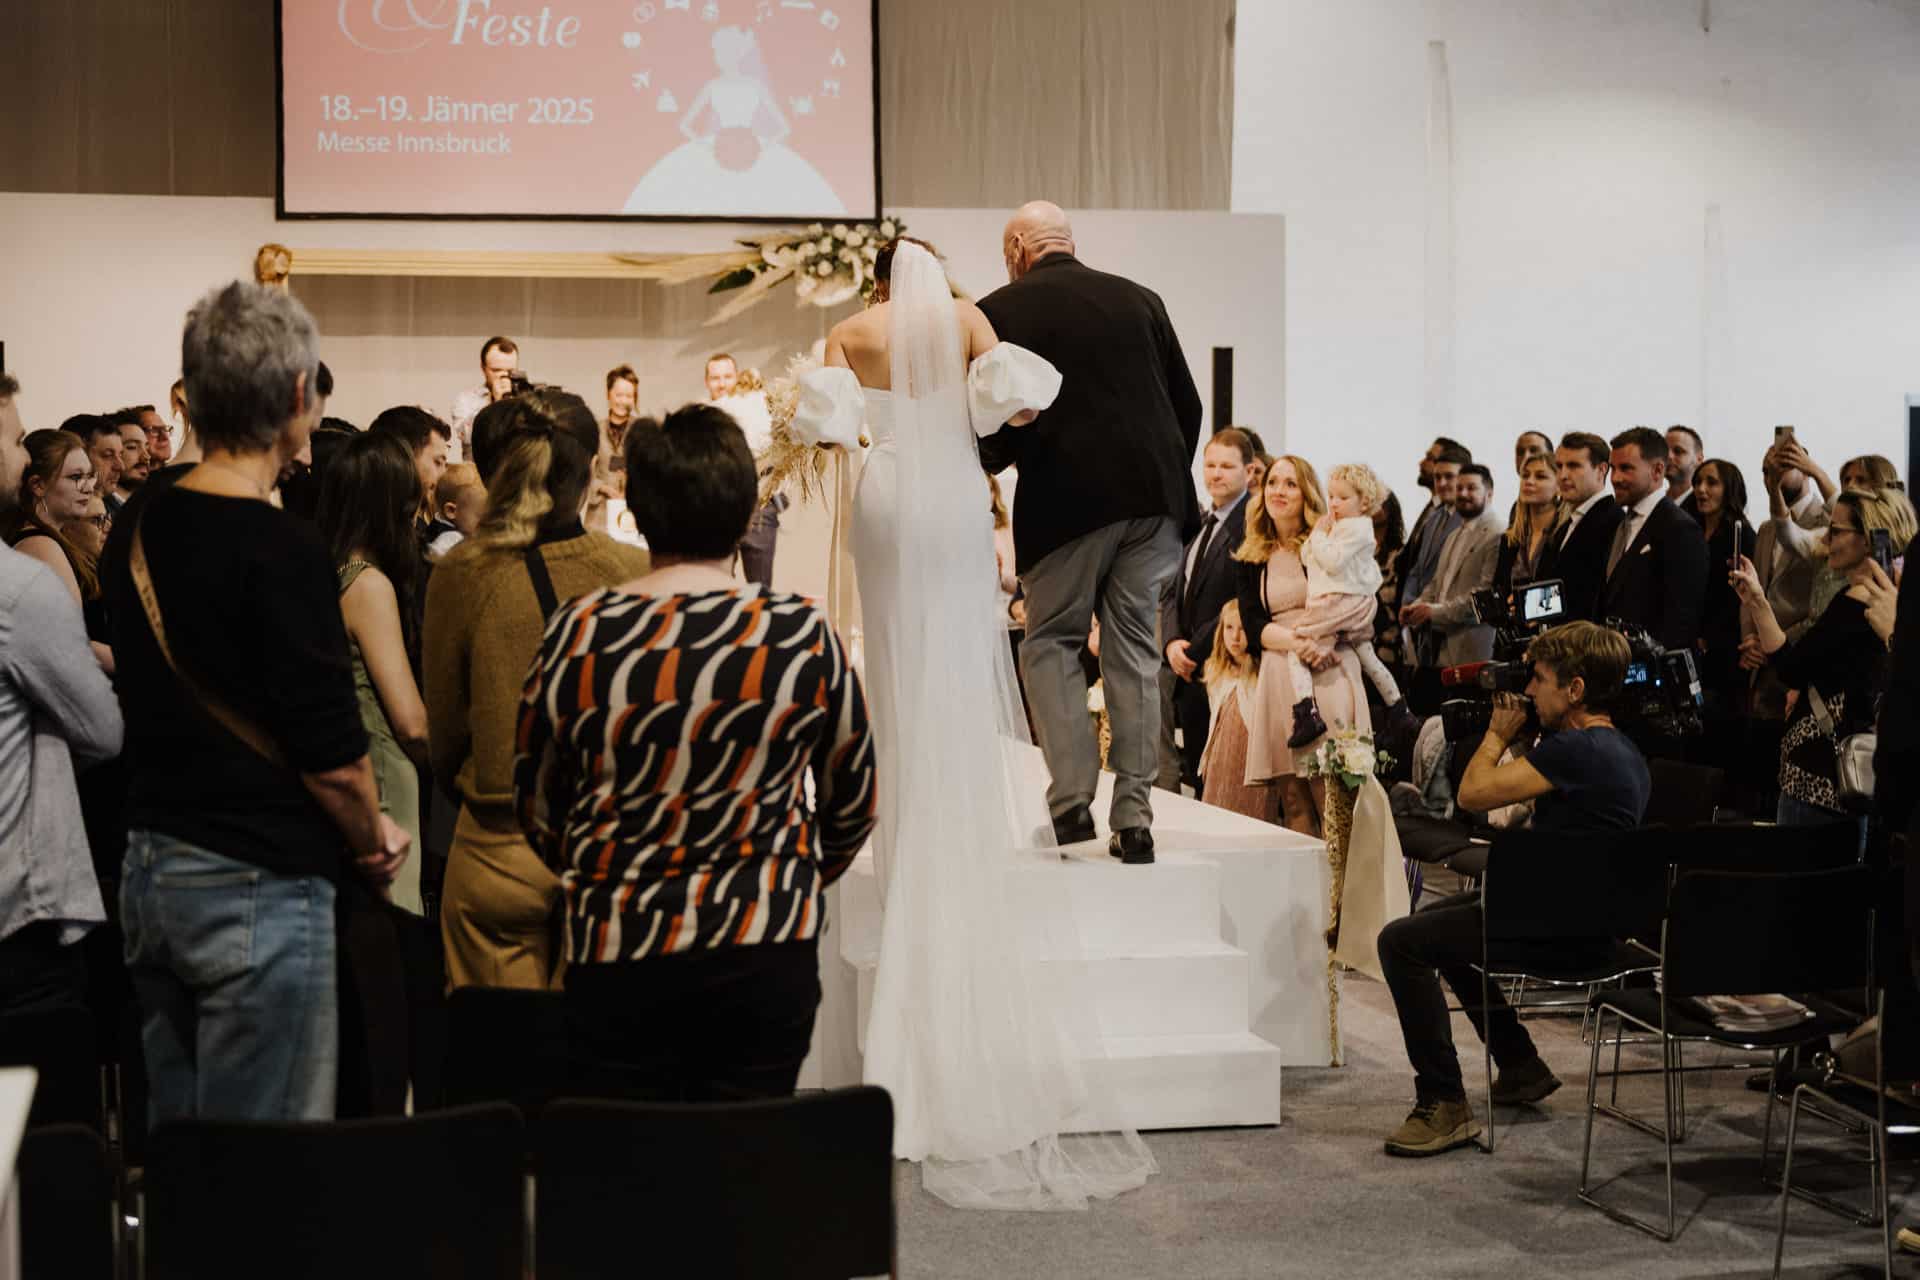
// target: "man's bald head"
[[1036, 229]]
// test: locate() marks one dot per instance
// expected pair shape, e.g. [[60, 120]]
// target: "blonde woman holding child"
[[1343, 584], [1232, 674]]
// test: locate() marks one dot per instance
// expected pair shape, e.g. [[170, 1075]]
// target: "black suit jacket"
[[1190, 610], [1118, 444], [1661, 581], [1582, 563]]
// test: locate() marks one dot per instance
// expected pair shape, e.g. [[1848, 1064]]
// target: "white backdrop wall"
[[392, 340], [1592, 288]]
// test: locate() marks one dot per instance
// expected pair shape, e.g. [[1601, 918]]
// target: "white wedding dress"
[[981, 1026]]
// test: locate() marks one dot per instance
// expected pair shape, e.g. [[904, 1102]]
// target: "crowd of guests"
[[314, 740], [309, 725], [1302, 609], [1341, 607]]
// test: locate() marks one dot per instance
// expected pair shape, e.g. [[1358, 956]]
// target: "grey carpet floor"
[[1316, 1195]]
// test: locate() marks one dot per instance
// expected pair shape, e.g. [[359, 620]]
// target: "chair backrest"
[[505, 1045], [1681, 795], [62, 1044], [1744, 846], [440, 1195], [1745, 932], [1553, 885], [800, 1188], [69, 1226]]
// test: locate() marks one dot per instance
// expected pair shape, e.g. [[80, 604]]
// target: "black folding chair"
[[69, 1215], [440, 1195], [63, 1046], [800, 1188], [1682, 795], [505, 1045], [1737, 933], [1543, 889]]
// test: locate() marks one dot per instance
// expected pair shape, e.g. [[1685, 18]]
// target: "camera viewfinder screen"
[[1542, 602]]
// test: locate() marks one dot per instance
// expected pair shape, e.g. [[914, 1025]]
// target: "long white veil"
[[983, 1026]]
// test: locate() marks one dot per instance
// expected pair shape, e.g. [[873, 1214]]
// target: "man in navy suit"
[[1578, 554], [1190, 608], [1657, 565]]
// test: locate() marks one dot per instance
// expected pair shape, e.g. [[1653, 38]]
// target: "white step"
[[1187, 988], [1189, 1082], [1175, 899]]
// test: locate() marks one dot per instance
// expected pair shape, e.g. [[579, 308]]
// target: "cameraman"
[[1584, 775]]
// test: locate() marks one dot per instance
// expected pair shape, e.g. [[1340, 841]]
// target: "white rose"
[[869, 252], [809, 251], [1357, 758], [888, 230], [839, 231], [1096, 700], [856, 238], [824, 245], [847, 255], [816, 229], [823, 269]]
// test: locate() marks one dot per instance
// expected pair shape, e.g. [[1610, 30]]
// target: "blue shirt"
[[1600, 781]]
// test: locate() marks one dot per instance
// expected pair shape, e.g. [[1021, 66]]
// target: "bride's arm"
[[981, 339]]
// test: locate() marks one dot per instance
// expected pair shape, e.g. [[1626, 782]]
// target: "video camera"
[[1660, 696], [1541, 605]]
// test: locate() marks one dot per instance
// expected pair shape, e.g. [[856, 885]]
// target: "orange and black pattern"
[[662, 769]]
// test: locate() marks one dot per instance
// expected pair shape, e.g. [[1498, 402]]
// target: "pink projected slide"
[[736, 109]]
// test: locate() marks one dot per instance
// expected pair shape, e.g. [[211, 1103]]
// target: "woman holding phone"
[[1720, 502]]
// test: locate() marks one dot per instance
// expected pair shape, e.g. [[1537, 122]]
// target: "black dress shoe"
[[1073, 826], [1308, 726], [1133, 846]]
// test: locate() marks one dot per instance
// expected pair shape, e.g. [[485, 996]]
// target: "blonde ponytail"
[[517, 499]]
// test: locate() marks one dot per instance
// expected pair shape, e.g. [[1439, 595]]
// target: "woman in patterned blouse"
[[667, 734]]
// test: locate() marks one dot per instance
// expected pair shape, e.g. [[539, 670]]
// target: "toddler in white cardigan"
[[1343, 584]]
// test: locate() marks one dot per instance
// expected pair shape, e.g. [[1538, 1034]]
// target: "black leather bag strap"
[[542, 584]]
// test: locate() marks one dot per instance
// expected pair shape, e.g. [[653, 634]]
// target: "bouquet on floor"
[[1349, 757]]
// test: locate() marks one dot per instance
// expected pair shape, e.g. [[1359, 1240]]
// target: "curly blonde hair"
[[1366, 486]]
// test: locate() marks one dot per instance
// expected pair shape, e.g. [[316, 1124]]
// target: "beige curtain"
[[1120, 104]]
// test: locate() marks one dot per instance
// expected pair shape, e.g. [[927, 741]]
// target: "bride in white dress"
[[981, 1027], [735, 159]]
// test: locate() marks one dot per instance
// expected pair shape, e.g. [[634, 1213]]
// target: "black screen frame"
[[281, 213]]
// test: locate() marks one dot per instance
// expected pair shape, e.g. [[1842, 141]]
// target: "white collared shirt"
[[1220, 515], [1603, 494], [1633, 519]]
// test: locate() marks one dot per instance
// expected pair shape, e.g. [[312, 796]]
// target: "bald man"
[[1106, 500]]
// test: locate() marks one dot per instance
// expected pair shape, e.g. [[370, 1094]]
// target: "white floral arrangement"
[[1348, 756], [828, 264]]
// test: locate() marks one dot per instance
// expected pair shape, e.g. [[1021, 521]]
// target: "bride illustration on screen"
[[735, 159]]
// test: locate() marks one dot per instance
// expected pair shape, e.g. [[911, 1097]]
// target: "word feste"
[[519, 30]]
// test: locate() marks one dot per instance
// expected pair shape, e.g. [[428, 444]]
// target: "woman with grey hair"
[[251, 793]]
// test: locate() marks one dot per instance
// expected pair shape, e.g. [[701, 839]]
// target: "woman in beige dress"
[[1273, 594]]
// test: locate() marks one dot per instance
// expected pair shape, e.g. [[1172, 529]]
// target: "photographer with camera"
[[1583, 775]]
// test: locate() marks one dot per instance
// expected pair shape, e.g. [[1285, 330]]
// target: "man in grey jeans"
[[56, 710], [1106, 501]]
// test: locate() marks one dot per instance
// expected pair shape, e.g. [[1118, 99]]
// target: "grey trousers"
[[1117, 572], [757, 548]]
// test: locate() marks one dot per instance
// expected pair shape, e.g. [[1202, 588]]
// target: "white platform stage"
[[1209, 966]]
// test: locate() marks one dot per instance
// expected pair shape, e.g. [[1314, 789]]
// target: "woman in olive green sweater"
[[487, 609]]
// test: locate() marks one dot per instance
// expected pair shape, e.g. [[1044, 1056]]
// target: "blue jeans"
[[1798, 813], [233, 966]]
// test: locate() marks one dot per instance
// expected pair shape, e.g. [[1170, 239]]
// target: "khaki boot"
[[1432, 1127]]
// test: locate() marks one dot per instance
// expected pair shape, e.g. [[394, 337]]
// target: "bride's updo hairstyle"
[[883, 263], [536, 452], [691, 483]]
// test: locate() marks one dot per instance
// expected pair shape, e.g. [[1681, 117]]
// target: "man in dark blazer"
[[1657, 562], [1578, 554], [1104, 505], [1190, 610]]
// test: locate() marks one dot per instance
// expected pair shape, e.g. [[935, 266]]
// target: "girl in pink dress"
[[1231, 678]]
